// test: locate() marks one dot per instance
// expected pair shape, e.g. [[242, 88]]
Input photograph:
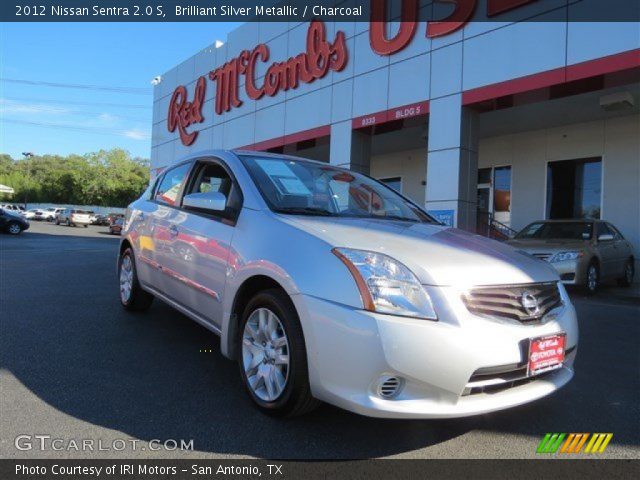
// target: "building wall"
[[481, 54], [410, 165]]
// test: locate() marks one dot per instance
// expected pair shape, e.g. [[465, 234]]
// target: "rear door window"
[[172, 182]]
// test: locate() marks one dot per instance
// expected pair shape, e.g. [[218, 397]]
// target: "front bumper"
[[571, 272], [350, 350]]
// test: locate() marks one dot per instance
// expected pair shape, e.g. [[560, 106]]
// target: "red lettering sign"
[[462, 14], [378, 27], [319, 58], [183, 113]]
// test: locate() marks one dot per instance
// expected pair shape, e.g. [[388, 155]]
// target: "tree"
[[105, 178]]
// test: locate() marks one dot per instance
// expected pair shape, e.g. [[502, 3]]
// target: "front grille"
[[543, 256], [522, 303], [499, 378]]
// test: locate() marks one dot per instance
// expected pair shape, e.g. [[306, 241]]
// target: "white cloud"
[[137, 134], [108, 117], [16, 107]]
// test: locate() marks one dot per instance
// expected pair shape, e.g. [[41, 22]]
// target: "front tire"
[[14, 228], [273, 357], [629, 272], [592, 283], [132, 296]]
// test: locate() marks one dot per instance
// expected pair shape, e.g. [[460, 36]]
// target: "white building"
[[508, 122]]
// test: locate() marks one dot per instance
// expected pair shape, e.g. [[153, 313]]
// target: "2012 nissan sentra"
[[327, 285]]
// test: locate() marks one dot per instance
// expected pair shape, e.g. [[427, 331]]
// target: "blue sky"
[[103, 54]]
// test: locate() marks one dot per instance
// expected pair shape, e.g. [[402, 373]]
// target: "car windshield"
[[302, 187], [558, 230]]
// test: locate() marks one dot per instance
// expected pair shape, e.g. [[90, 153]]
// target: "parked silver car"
[[325, 284], [584, 252], [73, 217]]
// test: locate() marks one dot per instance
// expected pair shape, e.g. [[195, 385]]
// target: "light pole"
[[26, 156]]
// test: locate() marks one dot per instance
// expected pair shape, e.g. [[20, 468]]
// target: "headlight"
[[563, 256], [386, 285]]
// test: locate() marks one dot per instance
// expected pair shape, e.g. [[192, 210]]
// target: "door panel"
[[166, 201], [195, 262], [608, 252], [194, 246], [142, 241]]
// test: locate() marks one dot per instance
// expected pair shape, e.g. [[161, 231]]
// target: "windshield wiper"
[[305, 211], [396, 217]]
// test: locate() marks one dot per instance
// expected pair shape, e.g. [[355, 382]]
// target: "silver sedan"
[[326, 285]]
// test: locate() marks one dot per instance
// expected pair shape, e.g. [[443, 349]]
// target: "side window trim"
[[616, 233], [198, 164], [180, 192]]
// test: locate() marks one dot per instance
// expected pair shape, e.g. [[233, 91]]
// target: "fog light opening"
[[389, 387]]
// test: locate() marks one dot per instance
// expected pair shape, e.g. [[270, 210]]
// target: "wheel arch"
[[247, 289]]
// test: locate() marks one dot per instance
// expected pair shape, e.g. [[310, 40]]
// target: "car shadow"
[[158, 375]]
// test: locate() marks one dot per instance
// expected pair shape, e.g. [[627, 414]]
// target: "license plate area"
[[546, 353]]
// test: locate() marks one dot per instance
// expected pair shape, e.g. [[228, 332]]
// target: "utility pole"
[[26, 156]]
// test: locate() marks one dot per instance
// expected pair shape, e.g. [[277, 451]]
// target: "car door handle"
[[173, 230]]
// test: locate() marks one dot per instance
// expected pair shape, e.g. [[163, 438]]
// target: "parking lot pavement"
[[74, 365]]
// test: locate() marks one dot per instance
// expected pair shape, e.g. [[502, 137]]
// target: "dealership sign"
[[314, 63], [319, 57]]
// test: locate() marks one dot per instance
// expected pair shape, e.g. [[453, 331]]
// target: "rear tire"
[[628, 274], [592, 282], [278, 352], [132, 296]]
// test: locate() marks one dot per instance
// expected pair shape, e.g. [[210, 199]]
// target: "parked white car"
[[52, 213], [19, 209], [325, 284], [73, 217], [33, 213]]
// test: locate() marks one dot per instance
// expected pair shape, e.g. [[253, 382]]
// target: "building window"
[[502, 194], [574, 188], [494, 194], [395, 183]]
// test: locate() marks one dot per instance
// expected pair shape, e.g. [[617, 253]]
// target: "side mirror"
[[211, 201], [605, 237]]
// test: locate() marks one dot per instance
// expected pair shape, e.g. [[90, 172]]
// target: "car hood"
[[438, 255]]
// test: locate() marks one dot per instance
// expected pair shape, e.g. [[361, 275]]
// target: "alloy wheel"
[[628, 273], [14, 229], [265, 354], [592, 278], [126, 278]]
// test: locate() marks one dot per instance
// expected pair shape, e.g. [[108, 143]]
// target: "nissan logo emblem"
[[530, 303]]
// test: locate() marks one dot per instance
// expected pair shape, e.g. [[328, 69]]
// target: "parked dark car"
[[12, 223], [115, 228], [113, 216], [102, 220]]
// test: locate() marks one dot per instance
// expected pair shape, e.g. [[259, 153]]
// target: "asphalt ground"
[[75, 366]]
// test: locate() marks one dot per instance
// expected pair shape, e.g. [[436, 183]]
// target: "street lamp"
[[26, 156]]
